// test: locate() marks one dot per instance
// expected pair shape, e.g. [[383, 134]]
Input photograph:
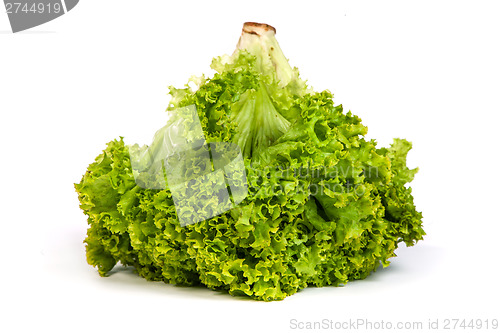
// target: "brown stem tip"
[[257, 28]]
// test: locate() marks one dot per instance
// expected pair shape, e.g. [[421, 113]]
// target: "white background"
[[424, 70]]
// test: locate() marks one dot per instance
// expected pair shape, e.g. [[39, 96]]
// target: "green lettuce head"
[[321, 206]]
